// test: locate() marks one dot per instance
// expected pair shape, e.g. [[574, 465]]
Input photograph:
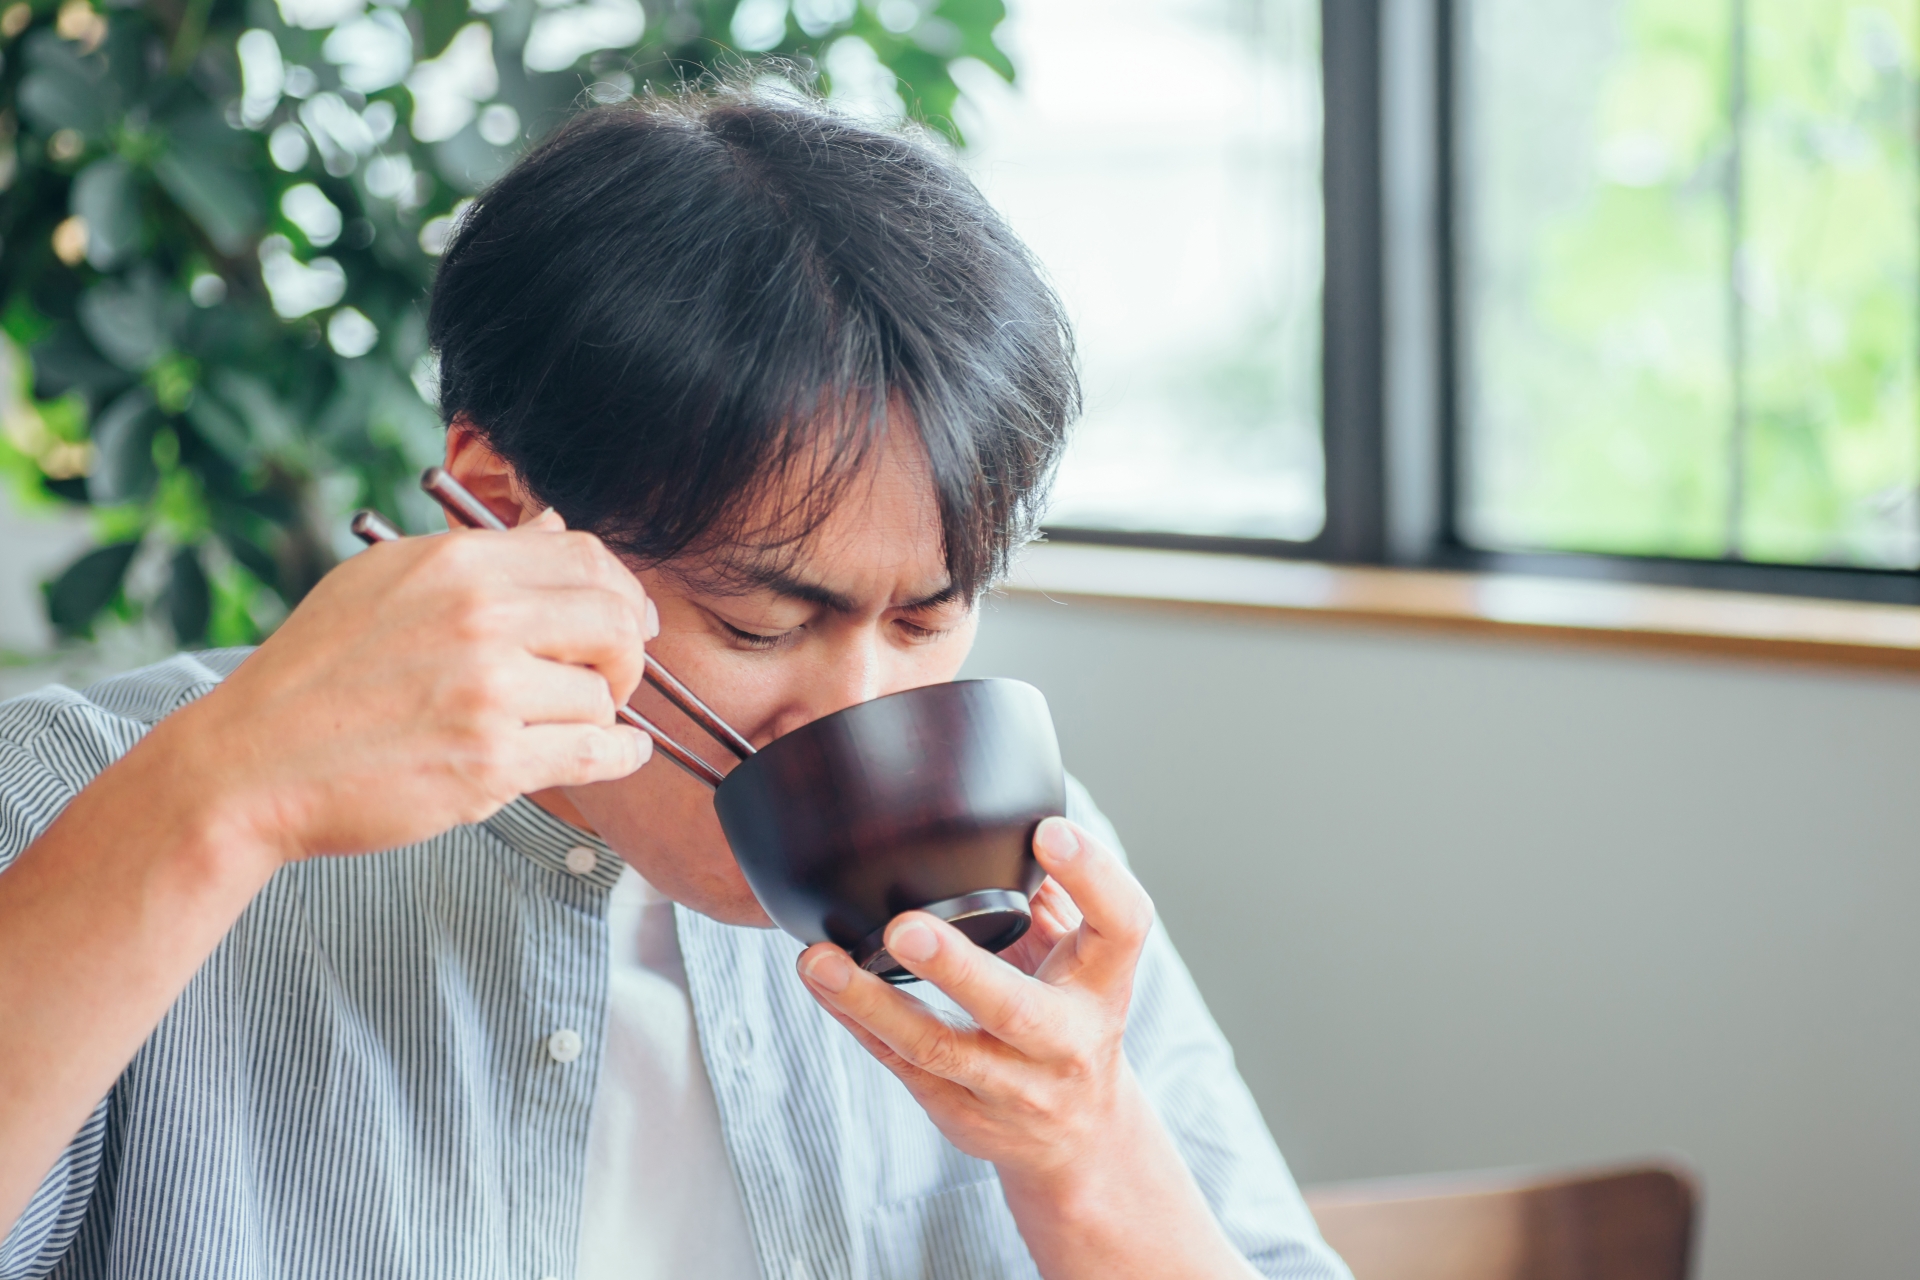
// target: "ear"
[[486, 475]]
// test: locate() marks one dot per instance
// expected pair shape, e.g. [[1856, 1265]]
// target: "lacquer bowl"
[[922, 800]]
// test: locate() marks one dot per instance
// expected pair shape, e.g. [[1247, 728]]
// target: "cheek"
[[739, 685], [941, 660]]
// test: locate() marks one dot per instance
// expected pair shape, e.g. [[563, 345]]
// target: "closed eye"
[[920, 633], [757, 639]]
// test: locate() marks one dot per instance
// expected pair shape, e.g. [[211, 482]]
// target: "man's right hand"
[[421, 685], [424, 684]]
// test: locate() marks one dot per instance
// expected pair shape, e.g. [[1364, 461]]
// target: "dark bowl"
[[921, 800]]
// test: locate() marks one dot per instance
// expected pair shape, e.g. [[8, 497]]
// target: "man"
[[800, 391]]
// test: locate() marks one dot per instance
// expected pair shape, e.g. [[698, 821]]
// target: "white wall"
[[1464, 904]]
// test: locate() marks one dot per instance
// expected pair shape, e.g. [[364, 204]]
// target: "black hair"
[[669, 306]]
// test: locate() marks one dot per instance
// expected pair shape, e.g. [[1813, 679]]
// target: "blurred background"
[[1618, 289]]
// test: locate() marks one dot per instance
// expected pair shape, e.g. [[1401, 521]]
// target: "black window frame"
[[1394, 335]]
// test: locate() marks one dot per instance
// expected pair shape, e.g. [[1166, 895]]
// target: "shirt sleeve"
[[52, 743], [1186, 1067], [53, 1216]]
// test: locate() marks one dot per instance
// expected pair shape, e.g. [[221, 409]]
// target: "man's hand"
[[1035, 1079], [424, 684]]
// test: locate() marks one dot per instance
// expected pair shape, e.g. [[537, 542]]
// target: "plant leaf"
[[258, 562], [215, 195], [275, 428], [123, 449], [64, 91], [127, 319], [106, 194], [65, 361], [216, 424], [188, 598], [88, 585]]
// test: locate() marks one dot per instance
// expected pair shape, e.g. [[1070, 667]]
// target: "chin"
[[676, 845], [702, 878], [697, 880], [731, 902]]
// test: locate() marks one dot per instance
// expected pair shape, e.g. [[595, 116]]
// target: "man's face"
[[771, 640]]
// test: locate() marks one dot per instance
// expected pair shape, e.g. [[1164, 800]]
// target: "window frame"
[[1394, 337]]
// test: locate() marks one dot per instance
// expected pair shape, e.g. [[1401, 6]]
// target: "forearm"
[[103, 920], [1132, 1210]]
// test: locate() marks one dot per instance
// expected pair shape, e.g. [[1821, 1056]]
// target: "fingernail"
[[913, 941], [653, 620], [829, 970], [1056, 839]]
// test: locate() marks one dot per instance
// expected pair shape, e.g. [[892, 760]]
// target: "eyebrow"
[[742, 578]]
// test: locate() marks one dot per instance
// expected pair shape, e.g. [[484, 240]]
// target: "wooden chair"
[[1620, 1223]]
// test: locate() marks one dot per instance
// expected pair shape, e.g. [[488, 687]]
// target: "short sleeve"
[[53, 742], [1186, 1067], [44, 1233]]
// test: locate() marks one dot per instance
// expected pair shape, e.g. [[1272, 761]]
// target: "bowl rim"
[[747, 764]]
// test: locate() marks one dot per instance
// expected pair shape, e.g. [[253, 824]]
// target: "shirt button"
[[582, 860], [564, 1045], [740, 1040]]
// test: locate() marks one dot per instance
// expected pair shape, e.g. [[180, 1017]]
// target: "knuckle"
[[1069, 1067], [489, 687], [453, 553], [591, 752], [936, 1050], [1021, 1015], [472, 614], [586, 555], [1132, 917], [604, 708], [1140, 916], [493, 765], [619, 622], [955, 964]]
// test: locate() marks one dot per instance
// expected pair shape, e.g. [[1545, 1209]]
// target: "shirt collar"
[[540, 837]]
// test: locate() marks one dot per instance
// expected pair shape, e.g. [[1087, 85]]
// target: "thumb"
[[548, 521]]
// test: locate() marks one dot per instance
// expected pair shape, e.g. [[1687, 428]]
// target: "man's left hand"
[[1035, 1081]]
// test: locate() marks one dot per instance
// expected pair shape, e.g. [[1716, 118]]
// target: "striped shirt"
[[363, 1080]]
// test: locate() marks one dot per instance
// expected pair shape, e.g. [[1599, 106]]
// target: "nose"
[[844, 675]]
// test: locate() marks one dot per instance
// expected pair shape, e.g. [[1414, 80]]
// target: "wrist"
[[1126, 1206], [1090, 1184], [198, 810]]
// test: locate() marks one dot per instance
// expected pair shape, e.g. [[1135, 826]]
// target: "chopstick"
[[370, 527], [439, 483]]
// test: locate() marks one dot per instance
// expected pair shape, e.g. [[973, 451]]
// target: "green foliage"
[[1635, 313], [219, 223]]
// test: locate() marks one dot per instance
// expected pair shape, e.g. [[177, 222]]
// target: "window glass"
[[1178, 213], [1691, 264]]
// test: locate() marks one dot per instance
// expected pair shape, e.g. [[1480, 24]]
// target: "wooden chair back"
[[1621, 1223]]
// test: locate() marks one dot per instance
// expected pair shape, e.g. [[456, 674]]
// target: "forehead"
[[876, 536]]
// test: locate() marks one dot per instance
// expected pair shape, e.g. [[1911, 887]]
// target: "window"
[[1179, 216], [1691, 276], [1618, 287]]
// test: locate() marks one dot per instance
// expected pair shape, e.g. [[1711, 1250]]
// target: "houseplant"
[[218, 222]]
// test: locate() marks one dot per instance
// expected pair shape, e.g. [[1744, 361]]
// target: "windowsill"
[[1508, 606]]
